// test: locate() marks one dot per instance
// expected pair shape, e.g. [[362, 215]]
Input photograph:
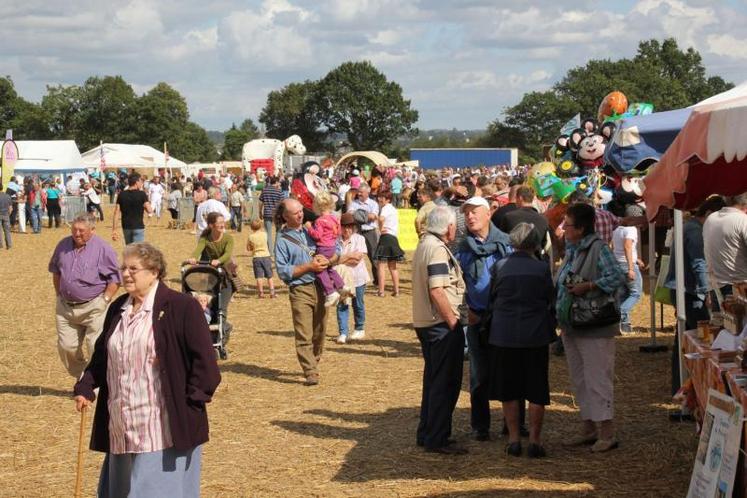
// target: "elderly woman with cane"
[[589, 320], [155, 368]]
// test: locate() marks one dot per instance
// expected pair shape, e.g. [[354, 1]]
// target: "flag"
[[572, 124]]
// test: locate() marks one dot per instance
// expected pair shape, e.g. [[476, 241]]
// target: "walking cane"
[[79, 471]]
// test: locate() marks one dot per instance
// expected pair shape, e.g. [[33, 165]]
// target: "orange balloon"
[[613, 103]]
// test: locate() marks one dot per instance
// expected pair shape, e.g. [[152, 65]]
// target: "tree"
[[61, 105], [162, 117], [193, 144], [235, 138], [26, 119], [292, 111], [356, 99], [660, 73], [106, 111]]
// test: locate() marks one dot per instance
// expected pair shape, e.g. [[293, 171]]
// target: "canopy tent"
[[47, 157], [130, 156], [640, 141], [375, 157], [709, 156]]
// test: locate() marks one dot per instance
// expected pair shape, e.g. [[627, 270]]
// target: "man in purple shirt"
[[85, 274]]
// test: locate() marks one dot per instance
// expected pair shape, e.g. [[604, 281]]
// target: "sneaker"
[[358, 335], [342, 339], [332, 299]]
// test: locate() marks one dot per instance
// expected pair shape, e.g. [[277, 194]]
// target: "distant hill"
[[216, 137]]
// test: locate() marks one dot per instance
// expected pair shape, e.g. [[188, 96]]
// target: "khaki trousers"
[[591, 364], [310, 324], [77, 325]]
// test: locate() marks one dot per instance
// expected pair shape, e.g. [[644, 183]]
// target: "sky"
[[461, 63]]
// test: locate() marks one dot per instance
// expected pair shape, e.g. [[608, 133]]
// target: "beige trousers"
[[591, 364], [310, 324], [76, 326]]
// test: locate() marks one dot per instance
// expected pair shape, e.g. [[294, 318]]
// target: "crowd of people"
[[499, 277]]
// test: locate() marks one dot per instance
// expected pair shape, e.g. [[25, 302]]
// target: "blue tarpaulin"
[[641, 140]]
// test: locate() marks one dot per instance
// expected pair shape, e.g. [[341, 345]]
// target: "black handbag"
[[594, 311]]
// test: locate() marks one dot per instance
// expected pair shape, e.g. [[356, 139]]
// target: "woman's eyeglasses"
[[131, 269]]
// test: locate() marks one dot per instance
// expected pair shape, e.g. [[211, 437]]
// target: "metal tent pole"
[[652, 347]]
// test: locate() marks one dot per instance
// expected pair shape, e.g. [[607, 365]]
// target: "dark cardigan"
[[189, 370]]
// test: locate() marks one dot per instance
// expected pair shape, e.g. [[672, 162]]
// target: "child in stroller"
[[207, 284]]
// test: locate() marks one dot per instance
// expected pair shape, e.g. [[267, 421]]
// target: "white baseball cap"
[[476, 201]]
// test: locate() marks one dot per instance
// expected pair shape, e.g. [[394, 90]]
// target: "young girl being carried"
[[325, 230]]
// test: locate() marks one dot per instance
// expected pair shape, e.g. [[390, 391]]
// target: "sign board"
[[8, 158], [718, 449]]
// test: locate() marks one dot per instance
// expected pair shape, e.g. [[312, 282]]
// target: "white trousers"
[[591, 364]]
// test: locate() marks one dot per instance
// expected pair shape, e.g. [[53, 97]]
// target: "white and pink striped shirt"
[[138, 421]]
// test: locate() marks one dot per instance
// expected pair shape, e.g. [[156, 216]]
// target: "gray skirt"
[[158, 473]]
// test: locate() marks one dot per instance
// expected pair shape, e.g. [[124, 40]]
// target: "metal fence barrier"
[[72, 206]]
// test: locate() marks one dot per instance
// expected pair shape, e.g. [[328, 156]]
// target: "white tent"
[[129, 156], [47, 156]]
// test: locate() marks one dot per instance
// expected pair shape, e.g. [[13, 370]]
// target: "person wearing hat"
[[355, 179], [481, 248], [352, 254], [363, 202]]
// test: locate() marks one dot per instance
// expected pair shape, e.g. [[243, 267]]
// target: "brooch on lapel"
[[160, 315]]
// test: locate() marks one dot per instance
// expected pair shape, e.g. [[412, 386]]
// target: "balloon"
[[614, 103]]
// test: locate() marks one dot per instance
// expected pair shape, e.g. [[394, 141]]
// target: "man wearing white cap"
[[481, 248]]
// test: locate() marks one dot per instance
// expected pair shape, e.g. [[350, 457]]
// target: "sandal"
[[379, 294]]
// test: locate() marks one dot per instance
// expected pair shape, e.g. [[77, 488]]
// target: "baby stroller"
[[204, 278]]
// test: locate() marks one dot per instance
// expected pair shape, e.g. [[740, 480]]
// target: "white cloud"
[[273, 36], [461, 63], [728, 46]]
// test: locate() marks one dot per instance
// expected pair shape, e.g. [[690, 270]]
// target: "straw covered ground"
[[353, 435]]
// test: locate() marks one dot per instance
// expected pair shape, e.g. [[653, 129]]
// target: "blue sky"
[[460, 62]]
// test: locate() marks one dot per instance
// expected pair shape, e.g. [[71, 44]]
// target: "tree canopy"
[[292, 111], [357, 100], [660, 73], [235, 138], [107, 109]]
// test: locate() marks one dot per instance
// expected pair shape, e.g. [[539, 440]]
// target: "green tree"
[[193, 145], [292, 111], [235, 138], [356, 99], [162, 117], [26, 119], [106, 111], [62, 107], [660, 73]]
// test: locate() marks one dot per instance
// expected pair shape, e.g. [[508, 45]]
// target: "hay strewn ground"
[[351, 436]]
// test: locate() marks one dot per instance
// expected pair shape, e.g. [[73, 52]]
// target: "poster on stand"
[[718, 449]]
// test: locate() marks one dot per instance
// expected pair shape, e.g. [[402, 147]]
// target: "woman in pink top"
[[325, 230], [155, 369]]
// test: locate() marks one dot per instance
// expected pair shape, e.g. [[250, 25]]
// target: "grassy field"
[[353, 435]]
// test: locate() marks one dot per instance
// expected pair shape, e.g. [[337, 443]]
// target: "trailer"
[[465, 158]]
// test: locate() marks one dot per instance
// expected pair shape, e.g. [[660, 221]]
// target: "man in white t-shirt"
[[213, 204], [155, 196], [725, 243], [624, 246]]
